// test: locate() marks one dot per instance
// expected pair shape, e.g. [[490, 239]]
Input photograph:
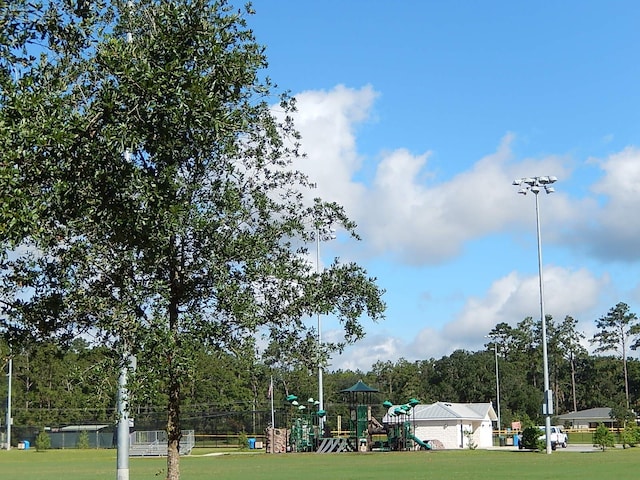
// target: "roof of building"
[[601, 413], [444, 411], [80, 428]]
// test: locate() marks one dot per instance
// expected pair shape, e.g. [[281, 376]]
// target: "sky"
[[418, 115]]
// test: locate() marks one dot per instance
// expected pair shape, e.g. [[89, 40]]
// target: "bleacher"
[[154, 443]]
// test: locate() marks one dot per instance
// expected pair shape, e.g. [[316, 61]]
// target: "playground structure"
[[365, 432], [400, 427]]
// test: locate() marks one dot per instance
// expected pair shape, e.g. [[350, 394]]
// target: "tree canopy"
[[154, 199]]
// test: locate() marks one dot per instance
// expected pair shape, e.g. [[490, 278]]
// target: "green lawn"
[[442, 465]]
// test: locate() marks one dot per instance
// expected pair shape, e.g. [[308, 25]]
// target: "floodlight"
[[534, 185]]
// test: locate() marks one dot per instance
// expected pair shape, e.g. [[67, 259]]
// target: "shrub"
[[603, 437], [630, 435], [83, 440], [470, 442], [243, 441], [530, 436], [43, 441]]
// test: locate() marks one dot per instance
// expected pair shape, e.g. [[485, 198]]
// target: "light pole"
[[9, 419], [327, 234], [535, 184], [495, 348]]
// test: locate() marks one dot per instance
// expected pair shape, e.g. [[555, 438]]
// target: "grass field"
[[440, 465]]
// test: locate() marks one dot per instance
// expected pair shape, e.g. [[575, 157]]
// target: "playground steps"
[[335, 445]]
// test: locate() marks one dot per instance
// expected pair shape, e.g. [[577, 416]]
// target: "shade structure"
[[360, 393]]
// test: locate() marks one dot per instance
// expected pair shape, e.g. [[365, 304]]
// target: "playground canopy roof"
[[360, 393], [360, 387]]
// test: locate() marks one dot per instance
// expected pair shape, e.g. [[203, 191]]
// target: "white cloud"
[[368, 351], [327, 121], [514, 297], [509, 299], [405, 211], [408, 214], [611, 232]]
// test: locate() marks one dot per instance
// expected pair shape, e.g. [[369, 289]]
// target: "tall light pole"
[[9, 419], [495, 348], [323, 235], [534, 185]]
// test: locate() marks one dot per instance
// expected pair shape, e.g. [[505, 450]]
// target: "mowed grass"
[[441, 465]]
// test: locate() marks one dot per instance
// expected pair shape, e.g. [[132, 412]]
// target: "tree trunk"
[[624, 366], [173, 430], [573, 383]]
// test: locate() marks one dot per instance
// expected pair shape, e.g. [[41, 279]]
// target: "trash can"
[[26, 444], [503, 441], [516, 440], [363, 445], [252, 443]]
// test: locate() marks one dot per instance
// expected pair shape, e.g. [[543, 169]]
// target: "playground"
[[306, 432]]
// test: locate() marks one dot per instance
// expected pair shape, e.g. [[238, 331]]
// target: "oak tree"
[[153, 193]]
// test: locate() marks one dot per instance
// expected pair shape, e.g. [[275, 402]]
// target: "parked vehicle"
[[558, 436]]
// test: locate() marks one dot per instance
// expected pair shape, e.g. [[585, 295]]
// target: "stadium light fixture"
[[535, 184]]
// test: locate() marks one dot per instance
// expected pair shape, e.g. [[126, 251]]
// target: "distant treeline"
[[56, 386]]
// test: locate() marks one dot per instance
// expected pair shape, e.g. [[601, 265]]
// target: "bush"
[[630, 435], [43, 441], [83, 440], [603, 437], [243, 441], [530, 436], [470, 442]]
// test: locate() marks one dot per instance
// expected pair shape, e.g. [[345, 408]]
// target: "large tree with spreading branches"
[[152, 198]]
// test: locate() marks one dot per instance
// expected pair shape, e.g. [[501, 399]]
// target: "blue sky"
[[418, 115]]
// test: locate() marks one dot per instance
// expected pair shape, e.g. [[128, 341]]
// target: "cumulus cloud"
[[509, 299], [327, 121], [610, 231], [512, 298], [407, 211], [409, 215], [367, 352]]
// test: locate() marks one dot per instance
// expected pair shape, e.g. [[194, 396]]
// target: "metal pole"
[[129, 362], [122, 456], [547, 405], [273, 415], [320, 386], [9, 419], [495, 347]]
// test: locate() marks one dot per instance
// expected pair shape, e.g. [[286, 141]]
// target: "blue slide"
[[420, 442]]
